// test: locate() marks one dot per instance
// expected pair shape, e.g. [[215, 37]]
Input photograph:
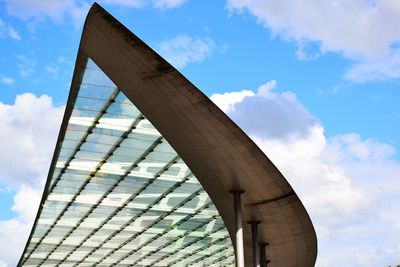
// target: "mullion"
[[107, 155], [94, 84], [83, 109], [115, 184], [224, 262], [94, 98], [185, 246], [107, 113], [86, 102], [54, 183], [88, 132], [176, 239], [184, 219], [110, 125], [133, 196], [201, 248], [221, 259], [101, 143], [100, 122], [171, 189], [205, 256], [75, 130]]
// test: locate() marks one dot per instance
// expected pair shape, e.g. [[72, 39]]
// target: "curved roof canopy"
[[143, 167]]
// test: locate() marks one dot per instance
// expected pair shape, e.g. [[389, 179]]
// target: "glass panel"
[[94, 76], [120, 195], [123, 109], [96, 92]]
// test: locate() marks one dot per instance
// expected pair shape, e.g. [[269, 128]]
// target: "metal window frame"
[[227, 159]]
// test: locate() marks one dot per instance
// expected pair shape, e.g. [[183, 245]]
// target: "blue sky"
[[314, 83]]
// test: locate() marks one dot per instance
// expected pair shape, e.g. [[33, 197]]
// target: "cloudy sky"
[[314, 83]]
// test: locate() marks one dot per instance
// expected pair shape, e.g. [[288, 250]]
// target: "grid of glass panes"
[[120, 195]]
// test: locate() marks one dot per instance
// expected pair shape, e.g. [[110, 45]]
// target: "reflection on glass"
[[120, 194]]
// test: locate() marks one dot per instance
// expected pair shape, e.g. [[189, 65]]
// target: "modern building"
[[147, 171]]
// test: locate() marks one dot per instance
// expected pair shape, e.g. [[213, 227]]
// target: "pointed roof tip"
[[96, 6]]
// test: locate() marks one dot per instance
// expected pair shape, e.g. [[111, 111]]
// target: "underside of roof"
[[143, 169]]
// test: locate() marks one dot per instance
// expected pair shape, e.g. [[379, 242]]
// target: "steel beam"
[[263, 256], [254, 238], [239, 247]]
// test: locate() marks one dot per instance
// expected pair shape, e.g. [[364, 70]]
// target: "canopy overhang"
[[220, 155]]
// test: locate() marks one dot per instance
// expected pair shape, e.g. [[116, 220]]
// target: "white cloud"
[[349, 185], [14, 232], [7, 31], [26, 65], [52, 70], [164, 4], [55, 10], [284, 111], [6, 80], [227, 101], [362, 30], [387, 67], [14, 34], [27, 137], [73, 10], [126, 3], [26, 202], [159, 4], [183, 49], [13, 236], [28, 133]]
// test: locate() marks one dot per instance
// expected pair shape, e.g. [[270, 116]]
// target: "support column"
[[263, 256], [254, 237], [239, 227]]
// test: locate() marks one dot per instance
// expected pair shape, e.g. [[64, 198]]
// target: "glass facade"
[[119, 195]]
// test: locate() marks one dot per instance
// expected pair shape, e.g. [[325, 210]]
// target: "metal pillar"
[[254, 237], [263, 256], [239, 227]]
